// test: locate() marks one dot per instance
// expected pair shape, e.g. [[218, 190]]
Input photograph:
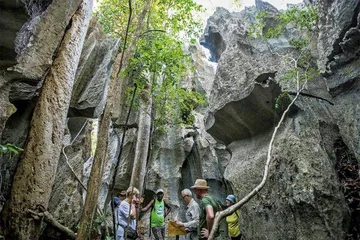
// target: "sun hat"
[[231, 198], [159, 191], [200, 184]]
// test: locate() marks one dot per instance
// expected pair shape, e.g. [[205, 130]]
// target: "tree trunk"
[[143, 138], [99, 162], [35, 174]]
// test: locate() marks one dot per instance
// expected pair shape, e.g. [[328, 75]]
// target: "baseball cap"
[[159, 191], [116, 201]]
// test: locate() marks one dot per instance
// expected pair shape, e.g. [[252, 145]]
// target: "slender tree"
[[35, 174], [99, 161], [159, 53], [143, 139]]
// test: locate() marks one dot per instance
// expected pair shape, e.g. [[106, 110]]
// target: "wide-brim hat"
[[200, 184]]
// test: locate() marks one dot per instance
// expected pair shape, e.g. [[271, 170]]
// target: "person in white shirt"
[[126, 207], [192, 215]]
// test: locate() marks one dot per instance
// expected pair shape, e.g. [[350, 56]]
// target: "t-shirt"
[[233, 224], [205, 201], [158, 214], [123, 215]]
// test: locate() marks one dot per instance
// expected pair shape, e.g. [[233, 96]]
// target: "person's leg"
[[120, 233], [162, 230], [156, 233], [236, 238], [193, 236]]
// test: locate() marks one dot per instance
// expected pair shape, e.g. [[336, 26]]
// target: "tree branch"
[[149, 31], [48, 218]]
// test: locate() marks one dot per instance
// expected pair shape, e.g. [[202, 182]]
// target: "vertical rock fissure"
[[347, 168]]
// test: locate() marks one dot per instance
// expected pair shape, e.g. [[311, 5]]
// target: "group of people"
[[199, 218]]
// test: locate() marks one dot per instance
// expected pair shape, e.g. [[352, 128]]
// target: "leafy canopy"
[[160, 62], [302, 19]]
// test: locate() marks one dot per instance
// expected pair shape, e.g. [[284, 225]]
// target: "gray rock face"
[[6, 109], [302, 198], [336, 18], [32, 32], [13, 16], [66, 199], [228, 145], [35, 57], [15, 132], [204, 70], [92, 77]]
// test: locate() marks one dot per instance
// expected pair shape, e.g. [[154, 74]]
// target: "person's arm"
[[168, 208], [210, 216], [133, 208], [148, 206]]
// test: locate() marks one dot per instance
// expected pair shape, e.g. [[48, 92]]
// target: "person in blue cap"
[[233, 220], [117, 202]]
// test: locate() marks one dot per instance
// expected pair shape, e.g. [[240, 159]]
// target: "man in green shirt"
[[208, 208], [158, 214]]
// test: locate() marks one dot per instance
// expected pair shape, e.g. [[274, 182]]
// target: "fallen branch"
[[48, 218]]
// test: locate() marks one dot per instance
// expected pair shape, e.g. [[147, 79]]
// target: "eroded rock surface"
[[303, 198], [92, 77]]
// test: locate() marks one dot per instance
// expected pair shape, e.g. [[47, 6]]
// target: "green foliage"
[[189, 100], [281, 102], [237, 3], [10, 148], [172, 16], [160, 63], [304, 67], [299, 43], [99, 220], [303, 19]]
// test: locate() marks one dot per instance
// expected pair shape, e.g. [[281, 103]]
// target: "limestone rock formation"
[[34, 30], [303, 198], [66, 199], [227, 145], [98, 55]]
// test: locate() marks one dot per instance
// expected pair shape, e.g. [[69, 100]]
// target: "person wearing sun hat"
[[233, 220], [208, 208]]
